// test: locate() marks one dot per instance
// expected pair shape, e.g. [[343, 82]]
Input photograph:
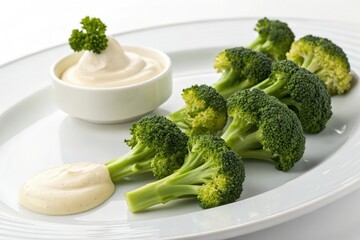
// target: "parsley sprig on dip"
[[91, 37]]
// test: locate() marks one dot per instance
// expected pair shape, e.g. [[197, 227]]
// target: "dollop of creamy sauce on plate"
[[67, 189], [111, 68]]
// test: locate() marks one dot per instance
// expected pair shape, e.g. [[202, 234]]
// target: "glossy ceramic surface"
[[35, 135]]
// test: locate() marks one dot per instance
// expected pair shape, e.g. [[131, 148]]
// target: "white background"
[[30, 26]]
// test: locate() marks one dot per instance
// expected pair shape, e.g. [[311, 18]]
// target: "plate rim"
[[345, 188]]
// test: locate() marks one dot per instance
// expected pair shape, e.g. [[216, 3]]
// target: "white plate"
[[34, 136]]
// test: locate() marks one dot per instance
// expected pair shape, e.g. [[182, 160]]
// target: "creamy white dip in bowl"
[[100, 96]]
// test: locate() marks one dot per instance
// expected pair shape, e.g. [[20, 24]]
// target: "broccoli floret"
[[91, 37], [302, 91], [204, 111], [241, 68], [274, 38], [324, 58], [157, 146], [264, 128], [211, 172]]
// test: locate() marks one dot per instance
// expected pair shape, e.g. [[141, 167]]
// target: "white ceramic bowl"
[[114, 104]]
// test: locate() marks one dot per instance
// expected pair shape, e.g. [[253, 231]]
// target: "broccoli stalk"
[[274, 38], [240, 68], [264, 128], [204, 111], [211, 172], [324, 58], [91, 37], [242, 136], [157, 146], [137, 160], [276, 83]]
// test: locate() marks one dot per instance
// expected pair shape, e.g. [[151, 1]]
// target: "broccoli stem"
[[257, 154], [314, 67], [263, 84], [277, 89], [310, 64], [225, 82], [180, 118], [236, 130], [305, 61], [262, 45], [137, 160], [229, 83], [257, 44], [245, 141], [267, 46], [183, 183], [291, 102], [241, 137], [156, 193]]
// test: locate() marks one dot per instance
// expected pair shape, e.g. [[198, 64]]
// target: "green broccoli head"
[[274, 38], [264, 128], [302, 91], [280, 133], [324, 58], [204, 111], [226, 185], [240, 68], [157, 146], [91, 37], [282, 69], [309, 99], [211, 172]]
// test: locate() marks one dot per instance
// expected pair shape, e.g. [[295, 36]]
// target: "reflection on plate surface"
[[39, 136]]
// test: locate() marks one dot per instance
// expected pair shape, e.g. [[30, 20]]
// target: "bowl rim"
[[162, 55]]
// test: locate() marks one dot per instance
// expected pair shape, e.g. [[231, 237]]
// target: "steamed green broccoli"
[[302, 91], [211, 172], [324, 58], [274, 38], [91, 37], [264, 128], [204, 111], [157, 146], [241, 68]]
